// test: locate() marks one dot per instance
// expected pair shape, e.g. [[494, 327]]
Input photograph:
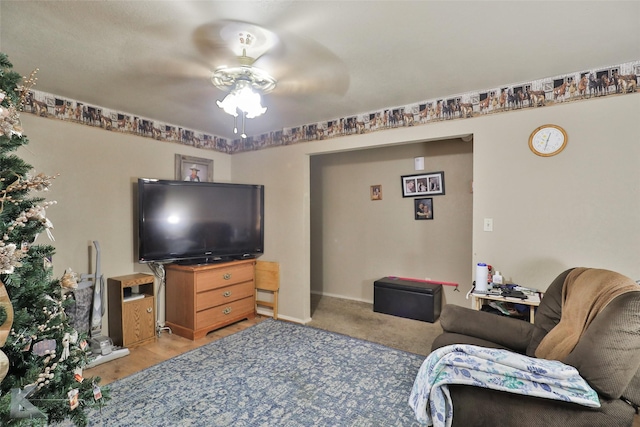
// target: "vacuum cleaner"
[[102, 348]]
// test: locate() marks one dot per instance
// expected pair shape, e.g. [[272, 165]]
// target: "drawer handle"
[[227, 310], [227, 294], [227, 276], [149, 309]]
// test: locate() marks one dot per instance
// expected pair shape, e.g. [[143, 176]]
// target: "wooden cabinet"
[[202, 298], [132, 313]]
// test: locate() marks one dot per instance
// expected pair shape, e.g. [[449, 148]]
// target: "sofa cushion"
[[482, 327]]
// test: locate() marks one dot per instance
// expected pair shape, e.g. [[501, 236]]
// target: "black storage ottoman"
[[406, 298]]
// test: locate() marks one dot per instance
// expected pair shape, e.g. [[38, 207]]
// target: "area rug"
[[272, 374]]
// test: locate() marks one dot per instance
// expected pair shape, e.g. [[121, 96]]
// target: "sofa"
[[606, 353]]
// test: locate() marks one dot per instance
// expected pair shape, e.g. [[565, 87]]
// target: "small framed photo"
[[423, 208], [195, 169], [376, 192], [427, 184]]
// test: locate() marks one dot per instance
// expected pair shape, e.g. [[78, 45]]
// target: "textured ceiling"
[[333, 58]]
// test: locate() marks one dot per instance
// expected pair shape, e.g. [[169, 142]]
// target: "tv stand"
[[202, 298]]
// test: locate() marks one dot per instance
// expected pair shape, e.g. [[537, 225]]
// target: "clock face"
[[548, 140]]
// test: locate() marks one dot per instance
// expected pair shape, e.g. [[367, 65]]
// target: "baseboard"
[[326, 294], [100, 359], [268, 313]]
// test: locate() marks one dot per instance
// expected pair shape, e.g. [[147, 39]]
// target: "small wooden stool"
[[268, 280]]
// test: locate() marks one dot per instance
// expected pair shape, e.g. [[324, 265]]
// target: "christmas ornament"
[[5, 328], [65, 347], [73, 398], [97, 393], [44, 347], [9, 257], [69, 279], [4, 365]]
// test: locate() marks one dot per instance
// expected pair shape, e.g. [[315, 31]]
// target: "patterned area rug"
[[272, 374]]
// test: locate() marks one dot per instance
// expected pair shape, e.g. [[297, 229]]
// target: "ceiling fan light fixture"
[[245, 85], [229, 105], [247, 100]]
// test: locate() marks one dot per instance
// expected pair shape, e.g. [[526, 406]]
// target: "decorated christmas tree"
[[41, 353]]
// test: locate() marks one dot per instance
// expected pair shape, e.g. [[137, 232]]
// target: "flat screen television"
[[199, 222]]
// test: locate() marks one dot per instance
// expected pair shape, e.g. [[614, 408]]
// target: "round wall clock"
[[548, 140]]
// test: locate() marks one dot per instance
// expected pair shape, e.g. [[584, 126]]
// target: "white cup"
[[482, 277]]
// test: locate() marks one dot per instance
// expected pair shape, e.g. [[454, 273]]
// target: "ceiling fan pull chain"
[[244, 115]]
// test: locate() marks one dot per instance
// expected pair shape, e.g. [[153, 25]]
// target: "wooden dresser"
[[201, 298]]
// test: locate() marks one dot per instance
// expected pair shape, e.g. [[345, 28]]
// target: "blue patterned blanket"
[[495, 369]]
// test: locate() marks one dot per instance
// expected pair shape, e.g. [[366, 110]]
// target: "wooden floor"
[[165, 347]]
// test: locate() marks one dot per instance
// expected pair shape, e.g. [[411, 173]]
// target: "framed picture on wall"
[[423, 208], [426, 184], [196, 169], [376, 192]]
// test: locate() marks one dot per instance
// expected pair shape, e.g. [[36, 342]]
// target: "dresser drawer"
[[224, 295], [226, 276], [221, 313]]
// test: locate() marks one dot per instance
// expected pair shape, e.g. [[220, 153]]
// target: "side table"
[[132, 318], [532, 301]]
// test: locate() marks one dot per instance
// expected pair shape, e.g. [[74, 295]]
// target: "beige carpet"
[[357, 319]]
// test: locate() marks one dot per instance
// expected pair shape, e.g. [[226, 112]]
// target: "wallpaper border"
[[571, 87]]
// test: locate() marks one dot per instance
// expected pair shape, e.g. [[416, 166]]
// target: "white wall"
[[577, 208]]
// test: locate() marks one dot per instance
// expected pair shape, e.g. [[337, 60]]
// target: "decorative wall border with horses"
[[578, 86]]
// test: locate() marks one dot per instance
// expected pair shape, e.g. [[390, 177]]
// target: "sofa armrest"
[[513, 334], [608, 353]]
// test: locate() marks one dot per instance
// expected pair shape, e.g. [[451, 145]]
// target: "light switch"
[[419, 163], [488, 224]]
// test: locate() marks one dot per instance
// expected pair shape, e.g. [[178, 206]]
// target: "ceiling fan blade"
[[163, 53], [316, 83], [176, 68], [302, 66]]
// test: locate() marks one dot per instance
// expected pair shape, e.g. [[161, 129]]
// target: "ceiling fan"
[[244, 82], [246, 61]]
